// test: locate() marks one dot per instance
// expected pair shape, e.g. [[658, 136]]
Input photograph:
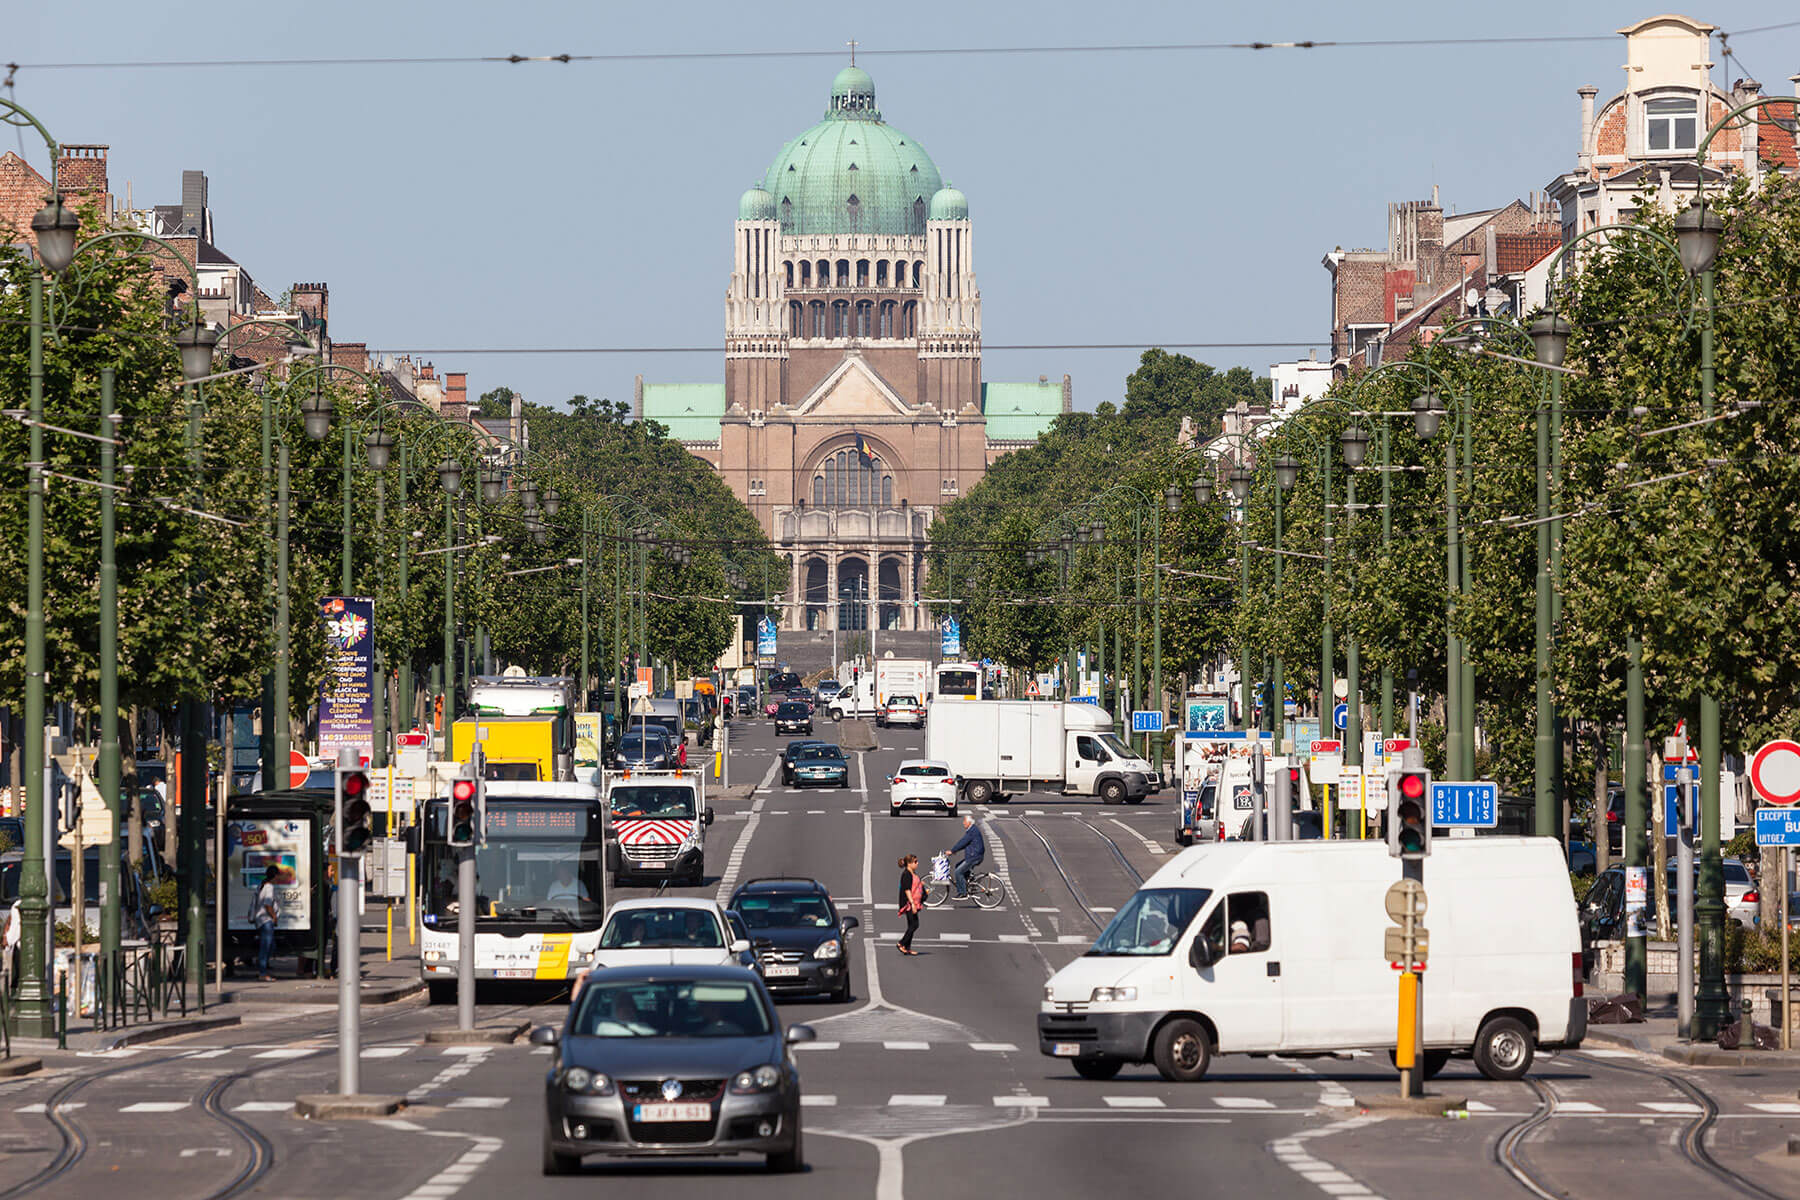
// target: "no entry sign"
[[1775, 772]]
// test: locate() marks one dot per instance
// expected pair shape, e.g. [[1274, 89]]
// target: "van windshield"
[[1151, 922], [1111, 742]]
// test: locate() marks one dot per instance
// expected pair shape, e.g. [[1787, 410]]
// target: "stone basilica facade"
[[853, 403]]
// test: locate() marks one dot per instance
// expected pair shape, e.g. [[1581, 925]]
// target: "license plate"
[[671, 1112], [653, 866], [1065, 1049], [780, 971], [514, 973]]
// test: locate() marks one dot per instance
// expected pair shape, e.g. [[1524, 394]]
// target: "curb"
[[1411, 1106], [1712, 1056], [172, 1029], [12, 1068], [1633, 1041], [340, 1108], [482, 1035], [370, 995]]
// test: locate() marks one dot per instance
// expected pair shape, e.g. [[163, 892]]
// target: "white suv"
[[669, 930], [923, 783]]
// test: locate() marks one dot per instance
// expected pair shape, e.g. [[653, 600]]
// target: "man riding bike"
[[974, 850]]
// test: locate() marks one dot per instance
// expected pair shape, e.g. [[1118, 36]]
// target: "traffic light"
[[1409, 818], [354, 833], [465, 801]]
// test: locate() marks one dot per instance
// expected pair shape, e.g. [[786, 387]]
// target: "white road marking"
[[953, 937], [1034, 812], [1100, 908], [818, 1101], [1015, 937], [155, 1106], [1073, 939], [913, 1100], [814, 1046], [469, 1051], [1329, 1179], [994, 1047], [1046, 910], [395, 1051], [1573, 1106], [290, 1052], [735, 864], [1609, 1053], [1670, 1106], [38, 1108], [906, 1045], [1021, 1101], [264, 1106], [208, 1054], [1478, 1106], [1133, 1101], [211, 1151], [1783, 1108], [478, 1102], [1242, 1102]]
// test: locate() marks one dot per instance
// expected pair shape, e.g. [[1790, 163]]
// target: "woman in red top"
[[912, 899]]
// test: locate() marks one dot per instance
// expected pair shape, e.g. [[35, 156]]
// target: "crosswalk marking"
[[1783, 1108], [264, 1106], [1478, 1106], [209, 1053], [913, 1100], [1021, 1101], [1100, 908], [393, 1051], [1046, 910], [478, 1102], [994, 1047], [1242, 1102], [1670, 1106], [953, 937], [818, 1101], [289, 1052], [1575, 1106], [1608, 1053], [155, 1106], [1133, 1101], [813, 1046], [38, 1108], [1015, 937], [907, 1045], [1073, 939]]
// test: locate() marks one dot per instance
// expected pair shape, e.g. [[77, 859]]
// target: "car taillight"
[[951, 781], [1750, 898], [898, 780], [1575, 964], [1612, 817]]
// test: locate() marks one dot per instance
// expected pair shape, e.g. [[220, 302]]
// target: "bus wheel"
[[440, 992]]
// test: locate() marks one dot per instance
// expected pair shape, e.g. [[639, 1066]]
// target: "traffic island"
[[854, 735], [1429, 1105], [346, 1108], [12, 1068], [501, 1033]]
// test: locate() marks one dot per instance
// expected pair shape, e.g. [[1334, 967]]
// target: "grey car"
[[672, 1062]]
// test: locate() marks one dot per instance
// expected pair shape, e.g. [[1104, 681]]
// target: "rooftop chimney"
[[456, 395], [1584, 155]]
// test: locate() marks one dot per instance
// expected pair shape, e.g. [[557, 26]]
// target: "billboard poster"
[[347, 697], [950, 639], [766, 641], [278, 848], [1205, 716]]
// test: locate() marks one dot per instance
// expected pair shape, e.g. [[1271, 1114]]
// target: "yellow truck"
[[518, 749]]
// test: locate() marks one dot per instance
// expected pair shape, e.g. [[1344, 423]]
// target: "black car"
[[789, 753], [801, 941], [671, 1061], [648, 747], [793, 716], [820, 765], [781, 681]]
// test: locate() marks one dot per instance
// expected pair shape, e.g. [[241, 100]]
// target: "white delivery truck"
[[888, 677], [1173, 980], [997, 748]]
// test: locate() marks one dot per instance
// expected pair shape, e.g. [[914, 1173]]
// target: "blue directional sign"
[[1340, 716], [1146, 721], [1778, 827], [1672, 795], [1094, 700], [1476, 805]]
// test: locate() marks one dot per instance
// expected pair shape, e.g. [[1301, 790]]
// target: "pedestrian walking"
[[912, 899], [265, 912]]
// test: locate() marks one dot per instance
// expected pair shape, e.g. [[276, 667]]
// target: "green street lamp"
[[1203, 489], [55, 229]]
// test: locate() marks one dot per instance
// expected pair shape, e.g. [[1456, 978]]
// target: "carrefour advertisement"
[[277, 849], [347, 697]]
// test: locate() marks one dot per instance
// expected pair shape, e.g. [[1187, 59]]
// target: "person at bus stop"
[[267, 911], [912, 899]]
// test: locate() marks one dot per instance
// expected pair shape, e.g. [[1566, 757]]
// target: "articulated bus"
[[540, 886], [958, 681]]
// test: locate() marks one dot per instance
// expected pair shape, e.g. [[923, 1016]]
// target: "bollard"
[[62, 1012], [1746, 1029]]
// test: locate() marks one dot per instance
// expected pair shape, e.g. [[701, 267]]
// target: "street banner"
[[279, 849], [589, 736], [766, 641], [950, 638], [347, 696]]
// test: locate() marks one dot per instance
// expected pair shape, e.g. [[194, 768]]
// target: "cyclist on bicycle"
[[974, 850]]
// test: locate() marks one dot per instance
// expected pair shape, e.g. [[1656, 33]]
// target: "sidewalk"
[[383, 982], [1656, 1035]]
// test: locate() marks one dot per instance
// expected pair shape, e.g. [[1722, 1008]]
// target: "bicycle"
[[985, 888]]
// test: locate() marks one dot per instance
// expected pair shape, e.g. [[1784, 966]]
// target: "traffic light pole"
[[465, 938], [349, 955]]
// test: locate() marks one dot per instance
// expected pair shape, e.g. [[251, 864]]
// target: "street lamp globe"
[[450, 476], [55, 228], [1355, 443], [528, 495], [1697, 230], [1287, 471], [492, 484], [1203, 489], [196, 344], [1550, 338], [1172, 498], [1067, 543], [552, 502], [1241, 478], [1099, 530], [380, 446], [1427, 412], [315, 411], [540, 535]]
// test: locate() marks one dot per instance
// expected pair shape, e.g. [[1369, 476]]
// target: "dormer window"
[[1671, 124]]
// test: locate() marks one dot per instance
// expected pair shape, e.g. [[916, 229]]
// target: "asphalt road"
[[928, 1083]]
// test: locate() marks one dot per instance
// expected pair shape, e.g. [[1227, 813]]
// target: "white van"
[[1163, 983]]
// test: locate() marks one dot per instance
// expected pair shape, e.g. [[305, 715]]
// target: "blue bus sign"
[[1093, 700], [1473, 805], [1778, 826], [1146, 721]]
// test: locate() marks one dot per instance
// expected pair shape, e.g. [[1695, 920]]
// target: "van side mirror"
[[709, 814], [1202, 954]]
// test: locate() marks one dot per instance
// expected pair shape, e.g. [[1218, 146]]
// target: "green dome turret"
[[948, 204], [756, 205], [852, 172]]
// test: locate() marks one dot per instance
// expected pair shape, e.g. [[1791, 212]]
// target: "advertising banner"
[[1206, 716], [347, 697], [279, 848], [766, 641], [950, 638]]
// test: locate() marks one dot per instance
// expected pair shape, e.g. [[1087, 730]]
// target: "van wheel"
[[1182, 1051], [1112, 792], [1102, 1067], [1503, 1048], [979, 791]]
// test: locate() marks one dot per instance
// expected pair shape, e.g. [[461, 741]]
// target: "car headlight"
[[591, 1083], [765, 1078], [830, 948], [1049, 992], [434, 956], [1103, 994]]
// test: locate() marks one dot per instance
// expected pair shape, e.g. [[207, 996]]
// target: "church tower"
[[950, 319], [755, 308]]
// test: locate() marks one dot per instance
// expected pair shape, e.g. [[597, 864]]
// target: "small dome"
[[948, 204], [853, 81], [756, 205]]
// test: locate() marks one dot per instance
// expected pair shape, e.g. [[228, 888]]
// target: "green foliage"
[[1753, 952], [1581, 884], [65, 934]]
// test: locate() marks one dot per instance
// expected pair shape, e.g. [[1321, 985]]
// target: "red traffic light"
[[356, 784], [1412, 786], [463, 791]]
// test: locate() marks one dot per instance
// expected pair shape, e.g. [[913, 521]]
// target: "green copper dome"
[[852, 172], [756, 205], [948, 204]]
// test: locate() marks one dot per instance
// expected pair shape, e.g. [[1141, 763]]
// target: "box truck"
[[999, 748], [888, 677], [1278, 948]]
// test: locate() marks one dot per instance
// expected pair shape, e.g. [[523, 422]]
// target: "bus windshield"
[[958, 683], [533, 880], [652, 802]]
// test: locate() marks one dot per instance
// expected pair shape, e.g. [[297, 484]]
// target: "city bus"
[[957, 681], [540, 887]]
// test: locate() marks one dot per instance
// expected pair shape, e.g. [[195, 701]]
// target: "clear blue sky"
[[1138, 198]]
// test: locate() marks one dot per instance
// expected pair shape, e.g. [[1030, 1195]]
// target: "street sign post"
[[1473, 805], [1780, 826], [1094, 700], [1775, 772], [1327, 766], [1146, 720], [1406, 948]]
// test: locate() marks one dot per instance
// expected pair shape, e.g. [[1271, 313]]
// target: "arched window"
[[887, 319], [844, 482], [788, 271], [843, 272], [805, 273], [818, 491], [796, 318], [831, 483], [887, 491], [818, 319], [918, 272], [840, 318], [881, 273], [862, 272], [909, 319], [823, 274], [865, 313]]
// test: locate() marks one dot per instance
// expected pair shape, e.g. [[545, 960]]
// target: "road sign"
[[1146, 720], [1407, 896], [1327, 746], [1777, 827], [1408, 945], [412, 739], [298, 768], [1475, 805], [1093, 700], [1340, 717], [1775, 772], [1396, 745], [1393, 946]]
